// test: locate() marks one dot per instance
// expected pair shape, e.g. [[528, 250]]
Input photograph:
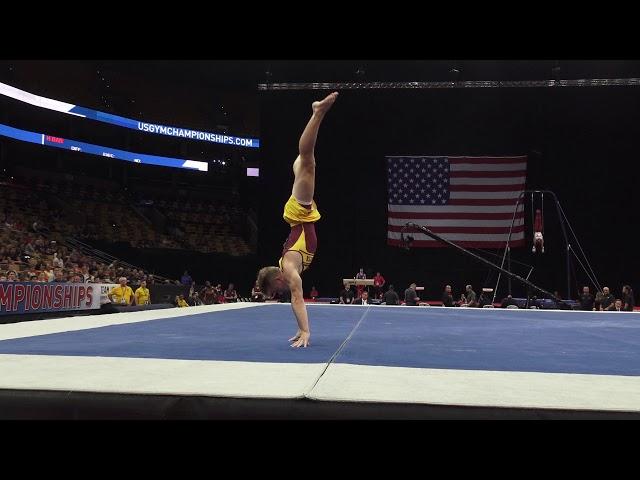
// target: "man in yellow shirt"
[[121, 294], [300, 212], [142, 294]]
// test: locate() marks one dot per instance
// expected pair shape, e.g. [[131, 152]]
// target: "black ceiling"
[[241, 74]]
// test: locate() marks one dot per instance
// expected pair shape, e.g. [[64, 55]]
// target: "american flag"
[[467, 200]]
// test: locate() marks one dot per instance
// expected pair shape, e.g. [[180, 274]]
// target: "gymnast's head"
[[271, 281]]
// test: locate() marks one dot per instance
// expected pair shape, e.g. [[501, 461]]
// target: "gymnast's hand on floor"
[[301, 339]]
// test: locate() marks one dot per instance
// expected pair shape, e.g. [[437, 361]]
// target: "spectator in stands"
[[363, 300], [314, 293], [391, 297], [76, 279], [470, 297], [219, 293], [49, 273], [378, 284], [42, 278], [410, 296], [597, 300], [447, 298], [186, 278], [194, 299], [586, 300], [486, 297], [12, 276], [507, 301], [57, 262], [230, 294], [59, 277], [181, 302], [628, 299], [615, 306], [256, 294], [121, 294], [84, 273], [606, 299], [208, 294], [346, 295], [141, 295]]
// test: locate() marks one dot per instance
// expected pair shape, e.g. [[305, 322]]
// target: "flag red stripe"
[[487, 188], [478, 174], [477, 230], [456, 216], [487, 160], [482, 202], [474, 244]]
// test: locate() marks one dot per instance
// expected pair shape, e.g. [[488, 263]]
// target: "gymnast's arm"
[[294, 281]]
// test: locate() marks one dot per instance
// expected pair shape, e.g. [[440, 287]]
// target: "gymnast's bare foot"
[[321, 107]]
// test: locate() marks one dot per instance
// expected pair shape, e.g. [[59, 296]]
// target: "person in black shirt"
[[485, 297], [447, 298], [605, 300], [410, 295], [391, 297], [628, 299], [586, 299], [346, 295], [508, 300]]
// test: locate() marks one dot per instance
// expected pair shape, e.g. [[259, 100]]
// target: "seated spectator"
[[606, 299], [391, 297], [410, 296], [615, 306], [57, 262], [195, 300], [597, 300], [363, 300], [447, 298], [486, 297], [208, 294], [507, 301], [586, 300], [230, 295], [314, 293], [181, 302], [219, 293], [346, 295], [470, 297], [256, 294]]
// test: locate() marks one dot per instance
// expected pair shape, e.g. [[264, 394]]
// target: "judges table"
[[352, 281]]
